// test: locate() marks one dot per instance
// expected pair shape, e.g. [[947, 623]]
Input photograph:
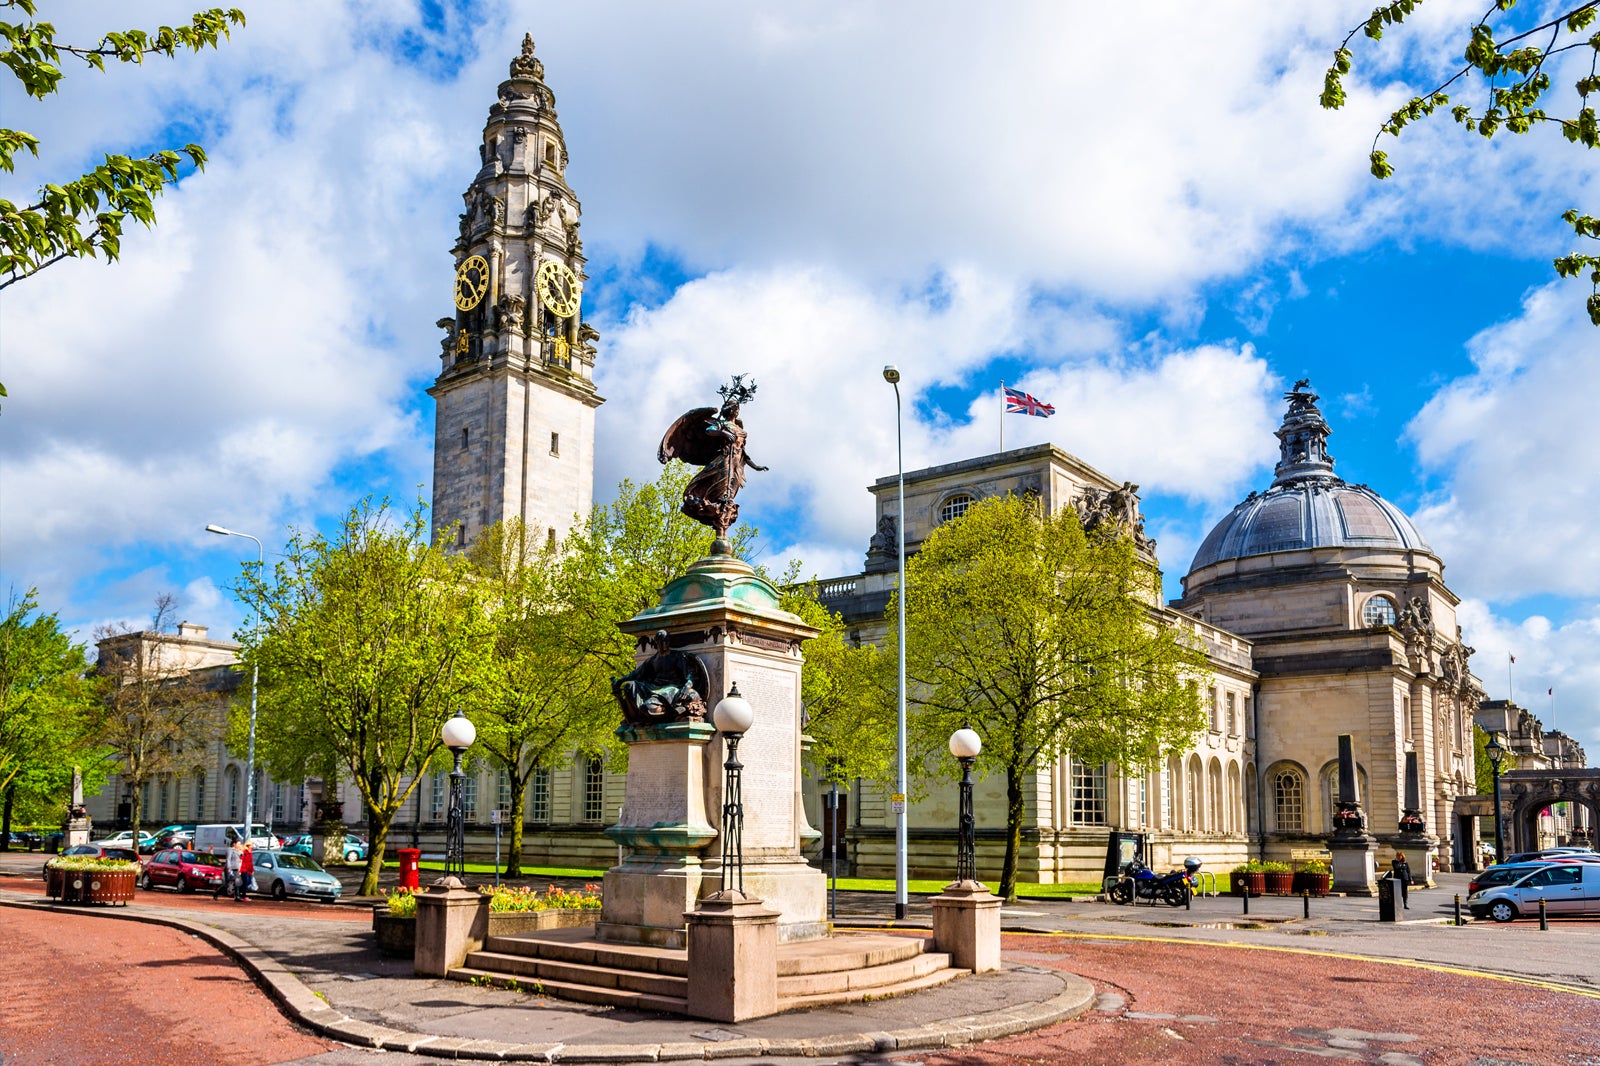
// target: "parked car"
[[1567, 888], [1550, 853], [174, 836], [183, 870], [354, 848], [103, 851], [124, 839], [281, 874], [1504, 874], [216, 839], [29, 841]]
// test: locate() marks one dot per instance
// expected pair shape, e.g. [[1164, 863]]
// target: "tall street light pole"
[[255, 674], [1496, 753], [891, 374]]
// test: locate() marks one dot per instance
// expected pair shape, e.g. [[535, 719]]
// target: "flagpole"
[[1002, 415]]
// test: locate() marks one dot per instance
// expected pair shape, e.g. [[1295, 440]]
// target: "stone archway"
[[1524, 793]]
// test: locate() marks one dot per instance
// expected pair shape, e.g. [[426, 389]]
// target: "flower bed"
[[1313, 877], [511, 910], [1250, 877], [1279, 878], [79, 879]]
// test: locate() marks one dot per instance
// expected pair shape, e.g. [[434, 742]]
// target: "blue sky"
[[1157, 240]]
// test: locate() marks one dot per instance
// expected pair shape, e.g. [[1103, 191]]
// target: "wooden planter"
[[1255, 883], [397, 937], [90, 886], [1279, 882], [1314, 883]]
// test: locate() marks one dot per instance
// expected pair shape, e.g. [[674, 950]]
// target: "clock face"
[[559, 288], [472, 281]]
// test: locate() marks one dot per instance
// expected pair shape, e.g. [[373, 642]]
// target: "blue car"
[[354, 848]]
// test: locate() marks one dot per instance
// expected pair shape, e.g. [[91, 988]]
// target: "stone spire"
[[1303, 440]]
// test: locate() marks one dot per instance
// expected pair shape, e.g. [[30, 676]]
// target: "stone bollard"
[[733, 958], [966, 924], [452, 920]]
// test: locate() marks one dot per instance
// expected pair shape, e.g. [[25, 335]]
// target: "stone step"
[[937, 977], [847, 951], [583, 950], [578, 993], [863, 979], [577, 973]]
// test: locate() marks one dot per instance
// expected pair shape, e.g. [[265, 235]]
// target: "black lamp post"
[[1496, 753], [732, 716], [965, 744], [458, 734]]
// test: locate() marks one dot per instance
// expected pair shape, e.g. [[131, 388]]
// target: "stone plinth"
[[966, 924], [1354, 872], [452, 920], [663, 831], [722, 611], [733, 958]]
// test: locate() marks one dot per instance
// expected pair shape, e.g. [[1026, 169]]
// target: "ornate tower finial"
[[1303, 439], [527, 65]]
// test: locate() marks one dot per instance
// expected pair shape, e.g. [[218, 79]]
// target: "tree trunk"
[[377, 842], [519, 786], [5, 818], [1014, 812], [136, 811]]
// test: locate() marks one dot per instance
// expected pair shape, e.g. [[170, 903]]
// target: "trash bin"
[[408, 868], [1386, 891]]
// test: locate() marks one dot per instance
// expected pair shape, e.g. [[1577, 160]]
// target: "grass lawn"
[[527, 871]]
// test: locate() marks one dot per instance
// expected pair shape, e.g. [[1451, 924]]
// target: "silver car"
[[1568, 888], [281, 874]]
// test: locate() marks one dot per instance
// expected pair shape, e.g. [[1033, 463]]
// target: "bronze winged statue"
[[713, 438]]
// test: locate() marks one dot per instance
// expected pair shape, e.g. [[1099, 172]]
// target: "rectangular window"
[[199, 797], [469, 797], [1233, 721], [438, 797], [502, 792], [555, 444], [165, 789], [541, 794], [594, 792], [1249, 719], [1216, 713], [1088, 793], [277, 802]]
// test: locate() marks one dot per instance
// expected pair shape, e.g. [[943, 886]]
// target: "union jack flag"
[[1020, 403]]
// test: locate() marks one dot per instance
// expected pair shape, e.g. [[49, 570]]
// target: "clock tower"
[[515, 396]]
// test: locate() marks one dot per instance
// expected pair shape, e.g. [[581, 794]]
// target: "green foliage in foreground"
[[1513, 60], [89, 863]]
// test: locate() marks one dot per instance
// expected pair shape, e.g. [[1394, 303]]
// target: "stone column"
[[663, 830], [966, 924], [733, 958], [722, 611], [452, 920]]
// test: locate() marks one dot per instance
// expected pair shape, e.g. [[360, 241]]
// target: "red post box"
[[408, 866]]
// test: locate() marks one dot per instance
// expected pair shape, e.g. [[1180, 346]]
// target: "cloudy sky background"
[[1149, 224]]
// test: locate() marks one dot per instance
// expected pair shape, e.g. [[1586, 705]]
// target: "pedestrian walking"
[[230, 873], [247, 870], [1402, 874]]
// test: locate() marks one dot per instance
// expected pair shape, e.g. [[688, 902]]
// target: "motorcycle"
[[1138, 881]]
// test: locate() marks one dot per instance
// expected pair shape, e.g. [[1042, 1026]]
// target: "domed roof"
[[1307, 506]]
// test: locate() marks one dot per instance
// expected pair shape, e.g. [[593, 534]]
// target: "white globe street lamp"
[[732, 716], [965, 744], [458, 733]]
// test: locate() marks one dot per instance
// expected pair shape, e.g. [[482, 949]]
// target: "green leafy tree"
[[47, 719], [158, 716], [85, 216], [369, 641], [1045, 640], [1483, 769], [537, 697], [847, 690], [1511, 59]]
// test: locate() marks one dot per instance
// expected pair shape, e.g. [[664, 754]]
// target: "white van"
[[218, 838]]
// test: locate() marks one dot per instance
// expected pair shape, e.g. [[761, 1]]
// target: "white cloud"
[[1516, 515], [1549, 656]]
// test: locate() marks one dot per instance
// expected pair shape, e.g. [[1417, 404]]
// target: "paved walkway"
[[1261, 991]]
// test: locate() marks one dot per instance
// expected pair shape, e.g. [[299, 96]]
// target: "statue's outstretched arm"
[[751, 463]]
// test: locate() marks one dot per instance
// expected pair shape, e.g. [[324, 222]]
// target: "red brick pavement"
[[78, 990], [1258, 1006]]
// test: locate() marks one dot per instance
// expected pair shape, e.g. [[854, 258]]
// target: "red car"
[[183, 870]]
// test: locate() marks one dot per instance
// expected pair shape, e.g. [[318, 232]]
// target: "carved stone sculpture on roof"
[[527, 65], [508, 314], [1124, 505], [447, 346], [574, 245]]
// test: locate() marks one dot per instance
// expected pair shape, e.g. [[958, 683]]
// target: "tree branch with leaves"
[[1512, 66]]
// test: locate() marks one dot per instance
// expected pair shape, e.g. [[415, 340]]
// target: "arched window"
[[954, 507], [1194, 809], [1289, 801], [1379, 610]]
